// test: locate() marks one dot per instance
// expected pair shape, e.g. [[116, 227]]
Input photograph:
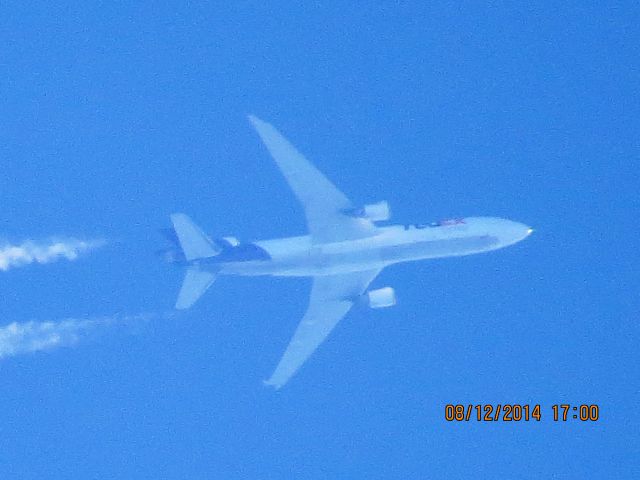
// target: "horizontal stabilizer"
[[194, 243], [196, 282]]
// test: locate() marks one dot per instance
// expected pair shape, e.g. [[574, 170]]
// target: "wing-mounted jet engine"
[[381, 298], [376, 212]]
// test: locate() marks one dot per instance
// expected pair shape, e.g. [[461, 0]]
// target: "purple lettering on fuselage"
[[442, 223]]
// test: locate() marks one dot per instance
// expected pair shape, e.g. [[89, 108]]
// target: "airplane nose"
[[507, 232], [522, 231], [515, 232]]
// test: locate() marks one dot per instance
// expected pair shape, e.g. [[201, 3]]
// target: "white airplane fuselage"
[[299, 257], [344, 252]]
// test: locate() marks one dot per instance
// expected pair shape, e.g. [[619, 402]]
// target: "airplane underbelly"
[[317, 261], [440, 248], [333, 259]]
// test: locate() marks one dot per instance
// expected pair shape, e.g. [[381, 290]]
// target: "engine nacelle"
[[376, 212], [381, 298], [233, 241]]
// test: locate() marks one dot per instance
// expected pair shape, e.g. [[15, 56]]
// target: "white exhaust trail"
[[20, 338], [32, 252]]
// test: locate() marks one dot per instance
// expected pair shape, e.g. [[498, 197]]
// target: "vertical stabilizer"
[[196, 282], [193, 242]]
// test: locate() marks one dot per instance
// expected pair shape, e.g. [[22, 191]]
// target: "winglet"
[[254, 120], [270, 383]]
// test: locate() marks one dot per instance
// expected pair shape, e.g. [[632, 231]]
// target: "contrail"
[[19, 338], [33, 252]]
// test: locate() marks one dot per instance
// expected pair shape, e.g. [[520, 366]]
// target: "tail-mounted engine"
[[381, 298], [376, 212], [228, 242]]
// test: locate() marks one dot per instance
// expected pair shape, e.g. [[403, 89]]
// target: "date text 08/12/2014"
[[510, 412]]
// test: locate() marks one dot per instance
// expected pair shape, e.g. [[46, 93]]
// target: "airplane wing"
[[323, 203], [332, 296]]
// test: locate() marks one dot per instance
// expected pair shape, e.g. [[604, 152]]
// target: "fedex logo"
[[442, 223]]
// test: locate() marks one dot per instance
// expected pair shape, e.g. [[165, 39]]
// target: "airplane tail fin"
[[194, 243], [195, 283]]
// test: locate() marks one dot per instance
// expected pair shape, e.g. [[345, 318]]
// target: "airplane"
[[343, 252]]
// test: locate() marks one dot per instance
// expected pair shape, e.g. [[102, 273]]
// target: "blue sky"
[[115, 116]]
